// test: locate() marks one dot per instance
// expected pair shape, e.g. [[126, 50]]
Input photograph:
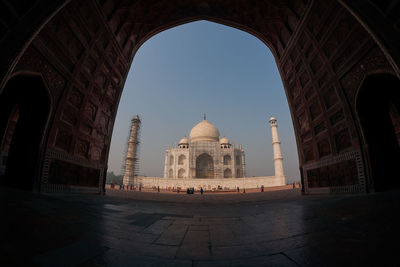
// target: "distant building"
[[205, 160], [204, 155]]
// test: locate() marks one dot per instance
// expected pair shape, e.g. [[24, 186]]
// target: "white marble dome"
[[204, 131], [224, 140], [184, 140]]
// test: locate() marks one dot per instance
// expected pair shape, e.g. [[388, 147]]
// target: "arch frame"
[[368, 78], [227, 159], [288, 45], [227, 173], [181, 159], [205, 166], [21, 77], [181, 173]]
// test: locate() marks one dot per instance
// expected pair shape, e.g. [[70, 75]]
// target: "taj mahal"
[[205, 159], [204, 155]]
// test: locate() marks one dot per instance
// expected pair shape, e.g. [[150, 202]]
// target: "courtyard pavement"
[[278, 228]]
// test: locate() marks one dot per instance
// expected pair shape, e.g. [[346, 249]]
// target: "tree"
[[113, 178]]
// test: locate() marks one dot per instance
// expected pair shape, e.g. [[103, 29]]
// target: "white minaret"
[[276, 145], [131, 155], [166, 163]]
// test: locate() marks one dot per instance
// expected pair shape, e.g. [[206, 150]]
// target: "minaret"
[[166, 162], [276, 145], [131, 155]]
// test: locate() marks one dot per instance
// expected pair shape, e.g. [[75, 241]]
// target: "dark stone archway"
[[323, 49], [378, 107], [24, 108]]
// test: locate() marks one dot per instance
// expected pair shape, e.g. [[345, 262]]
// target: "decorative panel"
[[342, 140], [63, 140], [324, 148], [67, 173], [339, 174]]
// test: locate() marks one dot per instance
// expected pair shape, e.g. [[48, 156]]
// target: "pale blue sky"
[[203, 67]]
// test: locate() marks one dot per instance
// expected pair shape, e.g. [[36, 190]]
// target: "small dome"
[[224, 140], [204, 131], [184, 140], [272, 119], [136, 118]]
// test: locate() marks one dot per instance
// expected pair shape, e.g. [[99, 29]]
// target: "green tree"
[[113, 178]]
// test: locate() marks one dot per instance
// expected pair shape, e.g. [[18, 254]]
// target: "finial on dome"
[[136, 118], [204, 116]]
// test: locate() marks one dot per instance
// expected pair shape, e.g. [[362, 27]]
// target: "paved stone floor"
[[280, 228]]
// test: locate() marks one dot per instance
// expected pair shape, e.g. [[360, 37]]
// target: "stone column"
[[131, 155], [276, 145], [243, 162], [166, 163], [175, 163]]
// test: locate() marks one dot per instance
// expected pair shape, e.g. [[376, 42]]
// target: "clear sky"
[[204, 67]]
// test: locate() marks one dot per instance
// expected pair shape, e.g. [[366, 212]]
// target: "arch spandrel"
[[317, 46]]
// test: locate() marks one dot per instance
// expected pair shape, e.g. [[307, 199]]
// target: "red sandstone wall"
[[322, 52]]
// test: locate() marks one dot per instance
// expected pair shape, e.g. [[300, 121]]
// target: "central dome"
[[204, 131]]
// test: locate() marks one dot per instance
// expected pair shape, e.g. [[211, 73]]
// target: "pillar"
[[167, 152], [131, 155], [276, 145]]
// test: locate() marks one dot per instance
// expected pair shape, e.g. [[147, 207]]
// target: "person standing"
[[201, 190]]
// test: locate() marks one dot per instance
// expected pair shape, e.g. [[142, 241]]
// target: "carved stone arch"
[[238, 173], [181, 159], [378, 112], [204, 166], [227, 159], [227, 173], [181, 173], [64, 47], [25, 106]]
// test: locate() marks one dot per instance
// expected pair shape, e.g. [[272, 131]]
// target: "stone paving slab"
[[158, 227], [173, 235], [117, 258], [273, 260], [196, 246], [77, 253], [260, 229]]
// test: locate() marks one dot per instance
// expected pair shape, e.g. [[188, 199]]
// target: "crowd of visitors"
[[190, 190]]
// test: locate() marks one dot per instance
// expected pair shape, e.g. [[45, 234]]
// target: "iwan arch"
[[336, 58]]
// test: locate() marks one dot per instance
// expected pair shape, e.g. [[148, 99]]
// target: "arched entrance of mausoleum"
[[204, 166]]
